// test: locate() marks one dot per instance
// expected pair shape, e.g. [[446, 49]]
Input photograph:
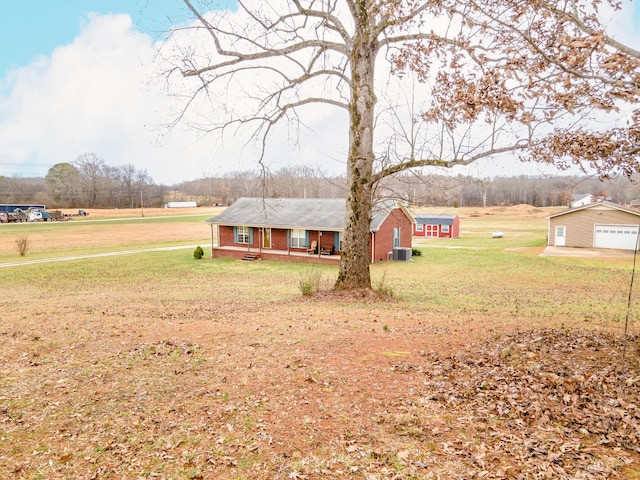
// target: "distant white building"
[[180, 205], [581, 199]]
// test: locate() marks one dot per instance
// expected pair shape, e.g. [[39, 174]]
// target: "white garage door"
[[622, 237]]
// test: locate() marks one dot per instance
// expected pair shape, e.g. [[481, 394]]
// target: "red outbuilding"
[[436, 226]]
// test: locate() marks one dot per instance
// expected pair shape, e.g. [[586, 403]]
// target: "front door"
[[266, 238], [560, 236]]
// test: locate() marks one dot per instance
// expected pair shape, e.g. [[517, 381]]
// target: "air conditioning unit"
[[401, 254]]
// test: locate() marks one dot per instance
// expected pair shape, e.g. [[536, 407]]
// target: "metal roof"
[[304, 213], [435, 219]]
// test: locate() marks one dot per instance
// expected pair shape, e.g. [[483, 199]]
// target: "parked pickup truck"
[[46, 216], [37, 216]]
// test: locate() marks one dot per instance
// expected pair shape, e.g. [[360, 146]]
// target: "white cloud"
[[102, 94], [96, 95]]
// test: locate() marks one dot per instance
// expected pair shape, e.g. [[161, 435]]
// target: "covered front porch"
[[272, 254]]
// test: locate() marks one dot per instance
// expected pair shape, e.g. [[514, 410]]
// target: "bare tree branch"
[[447, 163], [520, 77]]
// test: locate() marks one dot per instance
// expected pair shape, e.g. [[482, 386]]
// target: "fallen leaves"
[[346, 401], [543, 404]]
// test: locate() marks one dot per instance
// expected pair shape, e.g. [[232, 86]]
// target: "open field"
[[488, 361], [107, 230]]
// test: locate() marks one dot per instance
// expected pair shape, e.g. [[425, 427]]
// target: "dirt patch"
[[362, 295], [309, 389], [102, 213]]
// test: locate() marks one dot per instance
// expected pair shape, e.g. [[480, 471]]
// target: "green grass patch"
[[444, 282], [472, 275], [499, 282]]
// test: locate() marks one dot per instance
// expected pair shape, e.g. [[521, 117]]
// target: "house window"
[[298, 238], [445, 228], [243, 234], [419, 227], [340, 240]]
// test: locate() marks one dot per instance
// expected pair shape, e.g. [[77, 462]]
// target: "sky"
[[33, 28], [74, 78], [79, 76]]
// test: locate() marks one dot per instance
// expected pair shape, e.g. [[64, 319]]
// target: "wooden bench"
[[326, 250]]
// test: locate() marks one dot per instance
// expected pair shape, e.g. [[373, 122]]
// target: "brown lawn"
[[90, 233], [154, 380]]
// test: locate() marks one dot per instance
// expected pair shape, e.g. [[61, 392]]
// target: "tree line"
[[415, 189], [89, 182]]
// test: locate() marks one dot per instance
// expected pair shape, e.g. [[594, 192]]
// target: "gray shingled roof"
[[580, 196], [304, 213]]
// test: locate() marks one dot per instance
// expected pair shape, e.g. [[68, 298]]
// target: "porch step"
[[250, 257]]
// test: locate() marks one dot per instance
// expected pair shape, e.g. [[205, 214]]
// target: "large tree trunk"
[[354, 264]]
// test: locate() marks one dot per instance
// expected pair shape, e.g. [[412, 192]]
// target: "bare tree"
[[500, 76], [129, 193], [91, 171], [131, 183], [556, 56]]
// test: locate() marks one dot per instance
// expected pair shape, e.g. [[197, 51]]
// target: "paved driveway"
[[585, 252]]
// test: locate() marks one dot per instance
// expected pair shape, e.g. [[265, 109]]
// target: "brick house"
[[304, 229], [596, 225], [436, 226]]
